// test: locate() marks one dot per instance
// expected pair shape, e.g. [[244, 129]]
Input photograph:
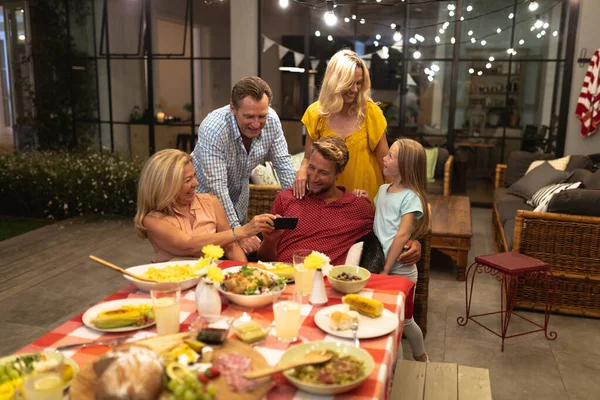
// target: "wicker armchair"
[[261, 198], [569, 243]]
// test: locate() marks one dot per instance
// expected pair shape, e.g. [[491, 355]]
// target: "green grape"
[[179, 390], [189, 395], [172, 385], [197, 386], [211, 389], [204, 396], [189, 380], [170, 397], [13, 374]]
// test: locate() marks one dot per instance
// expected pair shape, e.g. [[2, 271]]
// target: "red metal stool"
[[511, 269]]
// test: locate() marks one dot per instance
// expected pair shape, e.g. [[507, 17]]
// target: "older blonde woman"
[[177, 220], [345, 109]]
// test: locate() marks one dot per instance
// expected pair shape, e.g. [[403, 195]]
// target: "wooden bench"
[[439, 381]]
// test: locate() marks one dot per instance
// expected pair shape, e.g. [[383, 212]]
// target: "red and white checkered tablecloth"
[[382, 349]]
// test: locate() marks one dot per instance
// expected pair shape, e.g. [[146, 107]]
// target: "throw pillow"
[[593, 181], [518, 162], [432, 156], [541, 176], [354, 253], [264, 175], [257, 174], [542, 197], [559, 164], [297, 160]]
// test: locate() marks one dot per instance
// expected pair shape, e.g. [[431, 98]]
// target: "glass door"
[[16, 77]]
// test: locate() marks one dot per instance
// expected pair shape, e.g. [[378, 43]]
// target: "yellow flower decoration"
[[215, 274], [202, 263], [316, 260], [212, 251]]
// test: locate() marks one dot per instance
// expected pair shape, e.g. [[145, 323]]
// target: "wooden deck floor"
[[46, 277]]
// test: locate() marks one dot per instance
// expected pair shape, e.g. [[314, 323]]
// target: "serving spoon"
[[313, 357], [121, 270]]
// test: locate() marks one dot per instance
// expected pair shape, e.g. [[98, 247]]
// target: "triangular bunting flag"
[[298, 57], [283, 51], [314, 64], [267, 43]]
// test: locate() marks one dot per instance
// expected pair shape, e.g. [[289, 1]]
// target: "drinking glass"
[[303, 277], [286, 310], [166, 304], [46, 385]]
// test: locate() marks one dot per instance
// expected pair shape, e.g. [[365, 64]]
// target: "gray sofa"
[[566, 236]]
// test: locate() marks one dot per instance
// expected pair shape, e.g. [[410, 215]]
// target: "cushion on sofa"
[[509, 232], [539, 177], [576, 202], [558, 163], [436, 187], [580, 175], [542, 197], [579, 161], [503, 196], [432, 158], [519, 162], [443, 156], [508, 210], [593, 181]]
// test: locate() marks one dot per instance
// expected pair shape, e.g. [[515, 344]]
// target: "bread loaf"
[[342, 320], [129, 373], [364, 305]]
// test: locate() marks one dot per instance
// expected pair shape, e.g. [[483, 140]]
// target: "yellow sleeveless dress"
[[363, 170]]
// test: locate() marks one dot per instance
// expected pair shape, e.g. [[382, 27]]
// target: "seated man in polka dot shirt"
[[330, 219]]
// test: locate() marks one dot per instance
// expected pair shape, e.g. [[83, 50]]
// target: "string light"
[[346, 19], [533, 5], [462, 18], [473, 40], [375, 43], [397, 36], [483, 42], [430, 78], [546, 25], [284, 3], [452, 40], [442, 31], [417, 54], [451, 7], [539, 36], [555, 33], [330, 38], [510, 51], [451, 13], [446, 24], [393, 26], [491, 58], [488, 65], [362, 21], [419, 38], [469, 8], [353, 16], [435, 67], [470, 33], [538, 22], [499, 30], [412, 40], [437, 39], [521, 42], [426, 70], [317, 33], [479, 73], [329, 16], [378, 36], [532, 28], [511, 16], [543, 33], [384, 54], [471, 71]]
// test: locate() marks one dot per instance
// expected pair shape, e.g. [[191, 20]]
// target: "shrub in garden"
[[59, 184]]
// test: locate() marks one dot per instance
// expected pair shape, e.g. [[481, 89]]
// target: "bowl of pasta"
[[250, 287], [184, 273], [347, 369]]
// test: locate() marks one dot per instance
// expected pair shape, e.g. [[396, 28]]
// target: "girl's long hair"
[[160, 182], [339, 78], [412, 165]]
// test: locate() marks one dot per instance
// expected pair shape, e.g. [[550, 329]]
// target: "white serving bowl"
[[147, 286], [250, 300]]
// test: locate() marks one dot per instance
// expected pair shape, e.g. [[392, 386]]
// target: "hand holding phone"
[[285, 222]]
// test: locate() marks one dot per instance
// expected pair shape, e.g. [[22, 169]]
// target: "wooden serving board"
[[82, 386]]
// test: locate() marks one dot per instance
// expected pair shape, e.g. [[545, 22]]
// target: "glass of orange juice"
[[303, 277], [286, 310], [166, 305]]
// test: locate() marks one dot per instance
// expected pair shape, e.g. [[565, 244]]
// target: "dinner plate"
[[147, 286], [367, 327], [93, 312], [49, 354]]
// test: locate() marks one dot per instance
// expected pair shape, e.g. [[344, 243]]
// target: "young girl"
[[401, 214]]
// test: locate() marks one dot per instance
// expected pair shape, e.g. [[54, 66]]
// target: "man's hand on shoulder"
[[412, 253], [360, 193]]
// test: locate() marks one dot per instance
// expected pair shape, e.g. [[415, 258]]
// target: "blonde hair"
[[334, 149], [160, 183], [412, 165], [339, 78]]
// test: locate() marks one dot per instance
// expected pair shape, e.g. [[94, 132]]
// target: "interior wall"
[[588, 33]]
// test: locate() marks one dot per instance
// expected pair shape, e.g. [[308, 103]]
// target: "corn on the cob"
[[124, 316], [369, 307]]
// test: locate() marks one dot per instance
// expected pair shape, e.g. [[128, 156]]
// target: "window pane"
[[212, 86], [124, 22], [212, 29]]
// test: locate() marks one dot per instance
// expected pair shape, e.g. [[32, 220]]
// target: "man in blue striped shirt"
[[232, 141]]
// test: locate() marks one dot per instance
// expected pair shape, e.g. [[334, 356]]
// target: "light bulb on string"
[[543, 33], [555, 33], [397, 36], [330, 18], [330, 38], [362, 21], [539, 36], [483, 42], [412, 40], [417, 54], [317, 33], [451, 7], [446, 24], [462, 18], [353, 16], [375, 43], [546, 25], [521, 42], [473, 40], [471, 71], [430, 78], [393, 26], [378, 36], [470, 33], [511, 16], [499, 30], [452, 40], [426, 70], [532, 28], [435, 67], [451, 13], [437, 39], [442, 31], [491, 58], [510, 51], [479, 73], [469, 8], [488, 65], [419, 38], [346, 19], [533, 5], [284, 3], [538, 22]]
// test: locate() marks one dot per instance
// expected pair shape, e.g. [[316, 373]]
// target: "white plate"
[[367, 327], [112, 305], [49, 354], [146, 286]]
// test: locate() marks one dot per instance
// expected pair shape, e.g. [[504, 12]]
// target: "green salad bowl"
[[296, 352]]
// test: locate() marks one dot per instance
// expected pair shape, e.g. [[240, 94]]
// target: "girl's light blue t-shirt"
[[389, 209]]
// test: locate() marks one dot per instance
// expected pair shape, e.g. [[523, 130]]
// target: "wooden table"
[[434, 381], [451, 229]]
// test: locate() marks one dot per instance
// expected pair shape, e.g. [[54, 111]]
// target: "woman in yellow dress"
[[345, 109]]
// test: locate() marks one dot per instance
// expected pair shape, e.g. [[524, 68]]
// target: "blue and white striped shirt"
[[223, 166]]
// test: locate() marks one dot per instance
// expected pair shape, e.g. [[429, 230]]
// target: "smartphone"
[[212, 336], [286, 222]]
